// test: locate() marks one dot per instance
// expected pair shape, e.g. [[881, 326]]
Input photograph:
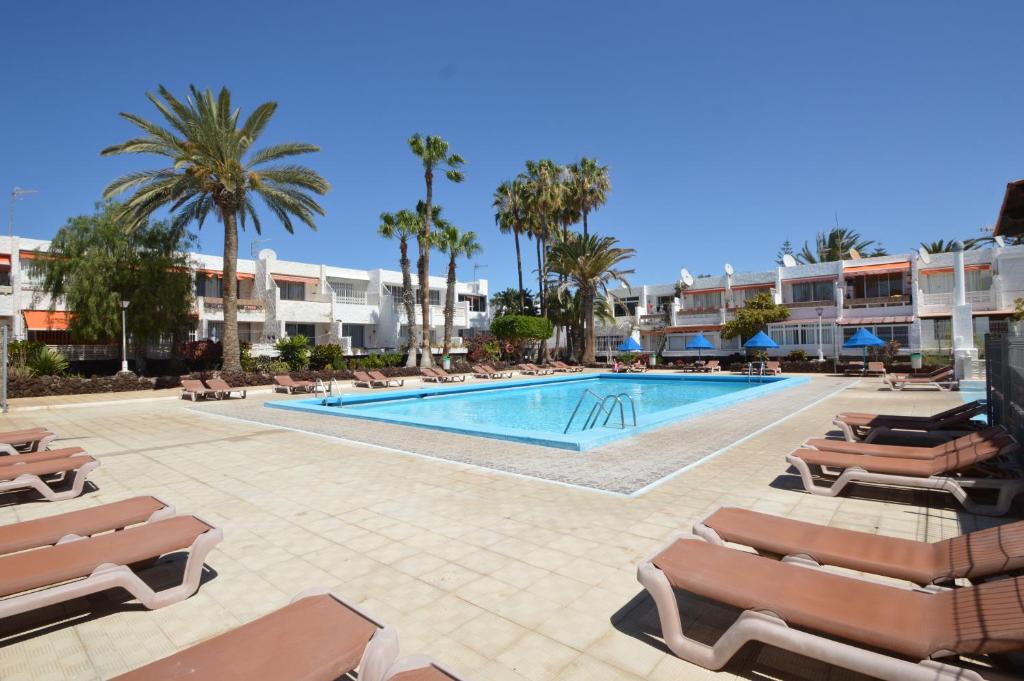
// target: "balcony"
[[437, 315], [246, 304], [811, 303], [901, 300], [654, 321], [978, 300]]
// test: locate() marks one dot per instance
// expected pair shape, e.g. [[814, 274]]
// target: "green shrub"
[[269, 365], [329, 354], [45, 361], [797, 355], [18, 351], [294, 351], [520, 330]]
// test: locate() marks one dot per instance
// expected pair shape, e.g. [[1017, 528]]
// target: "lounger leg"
[[80, 477], [808, 478], [846, 429]]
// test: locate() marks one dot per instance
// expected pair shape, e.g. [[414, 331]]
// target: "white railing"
[[88, 352], [979, 300], [264, 350], [353, 298]]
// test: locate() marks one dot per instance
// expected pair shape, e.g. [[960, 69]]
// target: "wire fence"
[[1004, 369]]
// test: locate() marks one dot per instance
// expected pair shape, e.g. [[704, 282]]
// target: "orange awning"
[[871, 321], [32, 255], [807, 280], [878, 269], [747, 287], [241, 276], [287, 278], [44, 320], [691, 328], [693, 292], [5, 258], [947, 270]]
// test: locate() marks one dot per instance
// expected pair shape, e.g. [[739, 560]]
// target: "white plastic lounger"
[[27, 440], [41, 474]]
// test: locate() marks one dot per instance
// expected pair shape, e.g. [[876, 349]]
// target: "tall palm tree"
[[545, 193], [433, 154], [590, 263], [454, 244], [510, 215], [835, 244], [946, 245], [507, 301], [403, 225], [589, 185], [211, 169]]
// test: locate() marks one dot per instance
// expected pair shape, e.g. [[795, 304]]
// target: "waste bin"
[[916, 359], [446, 362]]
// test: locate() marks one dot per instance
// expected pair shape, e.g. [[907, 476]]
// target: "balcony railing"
[[247, 304], [654, 320], [979, 300], [84, 353], [351, 298], [693, 311], [884, 301], [812, 303]]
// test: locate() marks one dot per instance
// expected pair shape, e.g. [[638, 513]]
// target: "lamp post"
[[821, 355], [124, 337]]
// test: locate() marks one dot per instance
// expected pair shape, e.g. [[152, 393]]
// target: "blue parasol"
[[698, 343], [629, 345], [864, 339], [761, 341]]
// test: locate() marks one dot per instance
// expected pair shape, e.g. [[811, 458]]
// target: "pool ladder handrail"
[[327, 389], [602, 407]]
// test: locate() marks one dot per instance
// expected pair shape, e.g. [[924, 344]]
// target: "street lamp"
[[821, 355], [124, 337]]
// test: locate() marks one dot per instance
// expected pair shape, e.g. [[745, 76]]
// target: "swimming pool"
[[538, 412]]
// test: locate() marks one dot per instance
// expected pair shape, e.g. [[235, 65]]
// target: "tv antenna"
[[254, 246], [476, 267], [17, 194]]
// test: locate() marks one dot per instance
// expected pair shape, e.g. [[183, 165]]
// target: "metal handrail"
[[602, 407]]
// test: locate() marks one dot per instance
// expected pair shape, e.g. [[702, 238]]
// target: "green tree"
[[588, 186], [946, 245], [836, 244], [454, 244], [785, 249], [589, 264], [1018, 310], [521, 330], [433, 154], [93, 264], [754, 316], [545, 192], [510, 215], [403, 225], [508, 301], [211, 170]]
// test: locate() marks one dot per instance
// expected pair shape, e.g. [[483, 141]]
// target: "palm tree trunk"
[[427, 357], [409, 301], [449, 307], [231, 351], [519, 267], [588, 335], [542, 351], [585, 232]]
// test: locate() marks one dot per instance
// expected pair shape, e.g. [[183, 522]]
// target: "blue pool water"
[[537, 412]]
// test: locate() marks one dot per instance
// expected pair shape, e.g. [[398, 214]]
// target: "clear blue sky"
[[728, 126]]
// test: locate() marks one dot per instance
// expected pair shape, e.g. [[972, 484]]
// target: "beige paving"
[[503, 577]]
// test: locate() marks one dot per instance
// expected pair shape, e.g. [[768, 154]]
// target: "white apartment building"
[[361, 310], [897, 297]]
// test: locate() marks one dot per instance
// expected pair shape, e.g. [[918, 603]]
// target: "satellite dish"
[[925, 256], [854, 254], [1000, 241], [729, 270], [788, 260], [686, 277]]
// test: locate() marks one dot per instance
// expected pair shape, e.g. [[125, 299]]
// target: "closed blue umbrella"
[[698, 343], [864, 339], [629, 345]]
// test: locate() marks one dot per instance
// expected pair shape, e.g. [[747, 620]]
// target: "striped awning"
[[871, 321], [289, 279], [947, 270], [241, 276], [882, 268]]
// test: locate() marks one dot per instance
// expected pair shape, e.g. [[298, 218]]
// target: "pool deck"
[[504, 577]]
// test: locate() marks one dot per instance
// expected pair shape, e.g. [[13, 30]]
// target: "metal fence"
[[1004, 374]]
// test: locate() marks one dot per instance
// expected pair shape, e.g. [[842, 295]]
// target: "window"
[[812, 291], [978, 280], [248, 332], [877, 285], [741, 296], [356, 332], [291, 290], [625, 307], [704, 301], [898, 332], [678, 341], [605, 344], [434, 295], [801, 334], [476, 303], [292, 329], [5, 276], [663, 303]]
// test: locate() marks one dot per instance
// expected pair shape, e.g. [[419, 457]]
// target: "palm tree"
[[946, 245], [211, 170], [455, 244], [512, 301], [836, 245], [588, 185], [403, 225], [433, 154], [545, 193], [589, 263], [510, 213]]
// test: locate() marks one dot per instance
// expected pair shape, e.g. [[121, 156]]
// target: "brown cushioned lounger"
[[944, 472], [977, 555], [55, 574], [22, 476], [858, 425], [995, 435], [361, 378], [318, 637], [30, 534], [225, 390], [44, 455], [26, 440], [420, 669], [883, 631], [388, 382]]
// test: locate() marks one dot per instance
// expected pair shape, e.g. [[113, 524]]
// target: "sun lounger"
[[420, 668], [562, 366], [880, 630], [286, 384], [526, 370], [875, 369], [480, 372], [429, 375], [388, 382], [942, 381], [711, 366], [445, 377], [773, 367], [39, 475], [995, 434], [495, 372], [975, 556], [947, 473], [56, 574], [540, 371], [225, 390], [363, 380], [193, 389], [854, 368], [860, 426], [317, 637], [26, 440], [44, 455], [31, 534], [929, 374]]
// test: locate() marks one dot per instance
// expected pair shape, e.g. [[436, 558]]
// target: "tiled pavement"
[[504, 577]]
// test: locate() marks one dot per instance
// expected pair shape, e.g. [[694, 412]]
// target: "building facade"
[[361, 310], [905, 298]]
